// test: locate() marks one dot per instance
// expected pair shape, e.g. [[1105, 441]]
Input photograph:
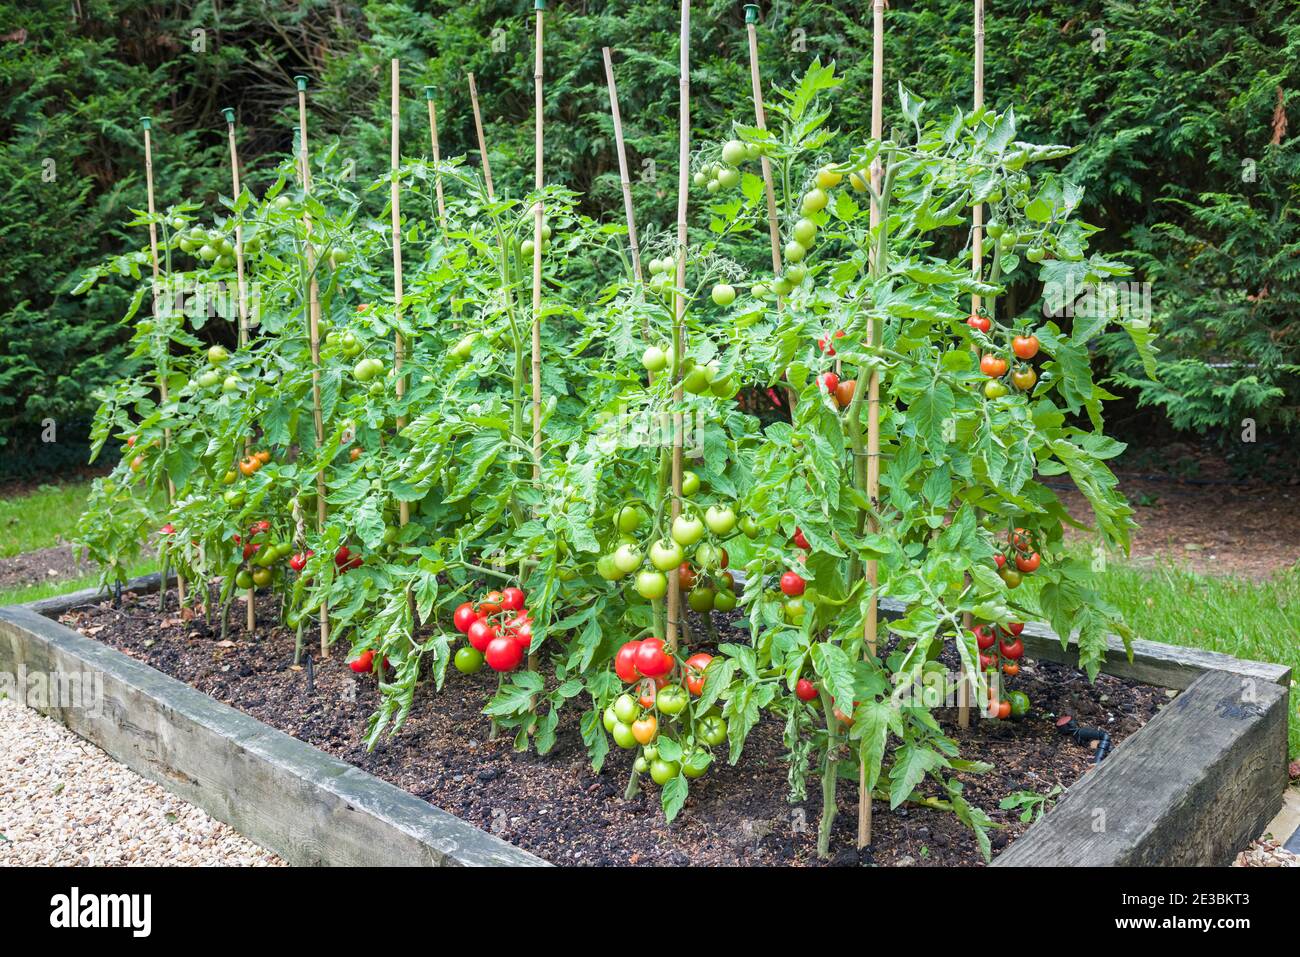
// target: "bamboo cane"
[[874, 337], [977, 270], [538, 221], [313, 322], [437, 157], [482, 141], [403, 507], [147, 124], [624, 179], [679, 312], [241, 294], [760, 120]]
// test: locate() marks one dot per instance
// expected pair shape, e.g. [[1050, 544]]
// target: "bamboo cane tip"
[[301, 81], [146, 122], [751, 13], [428, 93], [229, 113]]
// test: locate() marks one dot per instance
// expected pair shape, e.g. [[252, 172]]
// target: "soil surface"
[[42, 565], [555, 806]]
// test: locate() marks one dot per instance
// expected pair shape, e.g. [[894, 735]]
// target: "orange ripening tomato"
[[1025, 347], [248, 465], [993, 366]]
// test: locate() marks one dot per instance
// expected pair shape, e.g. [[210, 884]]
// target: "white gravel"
[[63, 801]]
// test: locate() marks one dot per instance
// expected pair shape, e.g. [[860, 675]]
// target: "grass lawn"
[[1247, 619], [41, 518], [26, 593]]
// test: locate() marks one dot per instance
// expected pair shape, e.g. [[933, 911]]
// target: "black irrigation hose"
[[1083, 736]]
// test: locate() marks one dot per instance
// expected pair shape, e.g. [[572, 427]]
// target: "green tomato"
[[723, 294], [720, 519], [367, 369], [629, 519], [749, 526], [761, 290], [794, 610], [734, 152], [687, 530], [244, 580], [696, 382], [712, 729], [1019, 704], [690, 483], [208, 253], [796, 273], [231, 384], [994, 389], [650, 751], [729, 178], [218, 355], [526, 249], [688, 770], [814, 201], [626, 709], [606, 568], [462, 349], [725, 600], [627, 559], [234, 497], [707, 557], [804, 232], [671, 699], [783, 286], [701, 599], [654, 359], [641, 765], [651, 584], [468, 660], [209, 379], [713, 186], [794, 252], [609, 719], [661, 771], [623, 735], [699, 179], [1035, 254], [666, 555]]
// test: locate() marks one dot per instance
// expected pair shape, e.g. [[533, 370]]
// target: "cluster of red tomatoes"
[[1022, 377], [635, 721], [1001, 648], [1019, 560], [259, 556], [499, 629]]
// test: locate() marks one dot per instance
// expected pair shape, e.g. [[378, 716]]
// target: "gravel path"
[[64, 801]]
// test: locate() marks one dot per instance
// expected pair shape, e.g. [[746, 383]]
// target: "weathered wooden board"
[[280, 792], [1193, 787]]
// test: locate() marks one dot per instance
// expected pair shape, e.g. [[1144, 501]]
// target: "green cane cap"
[[301, 81], [751, 13], [428, 93], [539, 4], [229, 113], [146, 122]]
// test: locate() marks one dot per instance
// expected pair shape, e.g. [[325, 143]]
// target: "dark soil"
[[556, 807], [42, 565]]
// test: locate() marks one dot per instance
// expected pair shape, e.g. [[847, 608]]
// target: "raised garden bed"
[[1192, 786]]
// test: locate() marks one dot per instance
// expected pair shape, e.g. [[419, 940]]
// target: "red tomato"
[[1015, 627], [523, 635], [512, 599], [981, 323], [503, 654], [1025, 347], [1000, 560], [365, 662], [983, 638], [792, 584], [805, 690], [168, 529], [800, 541], [342, 556], [464, 616], [695, 666], [625, 661], [651, 659], [993, 366], [1028, 563], [259, 528], [491, 603], [829, 381], [299, 561], [481, 634], [685, 576], [1013, 650]]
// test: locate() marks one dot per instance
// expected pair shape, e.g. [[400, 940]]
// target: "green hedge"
[[1183, 146]]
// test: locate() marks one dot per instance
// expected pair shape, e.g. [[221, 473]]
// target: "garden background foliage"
[[1179, 113]]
